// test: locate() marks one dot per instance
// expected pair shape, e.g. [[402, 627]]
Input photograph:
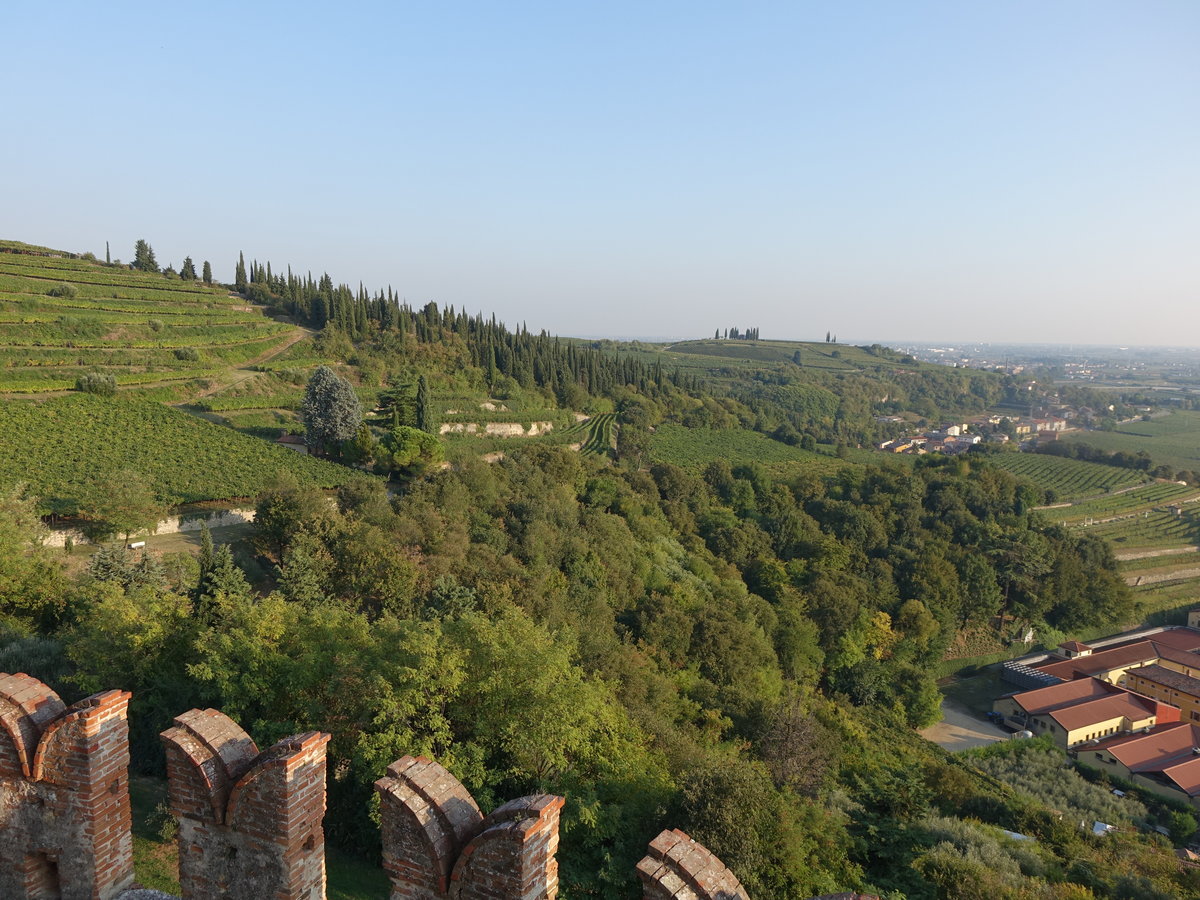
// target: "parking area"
[[961, 729]]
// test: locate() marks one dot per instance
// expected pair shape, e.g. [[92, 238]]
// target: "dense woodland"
[[739, 654]]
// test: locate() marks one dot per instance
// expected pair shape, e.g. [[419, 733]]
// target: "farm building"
[[1075, 712], [1162, 760]]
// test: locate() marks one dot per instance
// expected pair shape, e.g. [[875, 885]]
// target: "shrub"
[[97, 383], [63, 290], [187, 354]]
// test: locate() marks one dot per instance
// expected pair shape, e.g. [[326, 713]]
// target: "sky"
[[939, 171]]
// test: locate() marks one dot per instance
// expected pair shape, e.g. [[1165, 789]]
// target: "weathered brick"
[[437, 844], [676, 867], [250, 823], [64, 794]]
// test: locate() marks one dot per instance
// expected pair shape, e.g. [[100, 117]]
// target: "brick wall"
[[678, 868], [436, 843], [249, 822], [64, 794]]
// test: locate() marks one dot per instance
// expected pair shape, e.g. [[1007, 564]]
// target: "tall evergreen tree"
[[330, 409], [426, 419], [207, 272], [143, 256], [188, 270], [239, 273], [107, 253]]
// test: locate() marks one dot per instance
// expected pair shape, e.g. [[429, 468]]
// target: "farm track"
[[296, 337], [1131, 555], [291, 340]]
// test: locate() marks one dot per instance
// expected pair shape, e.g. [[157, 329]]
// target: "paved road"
[[960, 729]]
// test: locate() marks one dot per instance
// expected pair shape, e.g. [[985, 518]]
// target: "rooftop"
[[1185, 684], [1104, 709]]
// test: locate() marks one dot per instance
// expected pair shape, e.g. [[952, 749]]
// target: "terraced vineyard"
[[1138, 500], [696, 447], [1069, 479], [68, 443], [594, 435], [1152, 528], [62, 317]]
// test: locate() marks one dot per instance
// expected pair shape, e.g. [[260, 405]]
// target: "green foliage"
[[96, 383], [143, 257], [412, 451], [66, 443], [63, 290], [330, 409]]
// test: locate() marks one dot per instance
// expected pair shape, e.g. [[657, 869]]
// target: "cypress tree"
[[426, 421], [107, 254], [207, 272], [188, 270], [239, 274]]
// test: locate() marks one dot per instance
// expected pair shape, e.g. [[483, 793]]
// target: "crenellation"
[[64, 794], [251, 821]]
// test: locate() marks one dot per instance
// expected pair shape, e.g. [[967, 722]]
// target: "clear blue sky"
[[1020, 171]]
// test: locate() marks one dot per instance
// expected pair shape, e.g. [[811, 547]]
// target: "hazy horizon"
[[1021, 173]]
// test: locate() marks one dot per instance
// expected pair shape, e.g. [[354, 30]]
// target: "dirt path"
[[960, 729], [1131, 555], [1158, 577], [294, 338]]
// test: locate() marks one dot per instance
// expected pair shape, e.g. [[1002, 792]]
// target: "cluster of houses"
[[1131, 708], [960, 437]]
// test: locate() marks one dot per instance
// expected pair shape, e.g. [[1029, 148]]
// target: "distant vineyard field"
[[1151, 528], [1069, 479], [695, 447], [63, 317], [1138, 500], [1172, 440], [594, 435], [62, 445]]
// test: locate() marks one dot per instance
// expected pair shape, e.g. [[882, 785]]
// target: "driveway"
[[960, 729]]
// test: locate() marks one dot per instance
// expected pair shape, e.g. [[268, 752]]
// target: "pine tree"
[[239, 274], [188, 270], [143, 256], [207, 272]]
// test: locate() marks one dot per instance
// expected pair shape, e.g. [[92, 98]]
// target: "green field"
[[1142, 499], [1172, 440], [1150, 529], [141, 327], [594, 435], [1069, 479], [63, 445], [695, 447]]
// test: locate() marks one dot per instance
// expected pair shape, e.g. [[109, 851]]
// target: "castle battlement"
[[250, 821]]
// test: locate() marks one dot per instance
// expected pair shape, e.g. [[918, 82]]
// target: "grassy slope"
[[1173, 440], [62, 445], [125, 323]]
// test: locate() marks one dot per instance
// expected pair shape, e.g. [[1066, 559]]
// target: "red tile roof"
[[1104, 709], [1039, 700], [1146, 752], [1074, 646]]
